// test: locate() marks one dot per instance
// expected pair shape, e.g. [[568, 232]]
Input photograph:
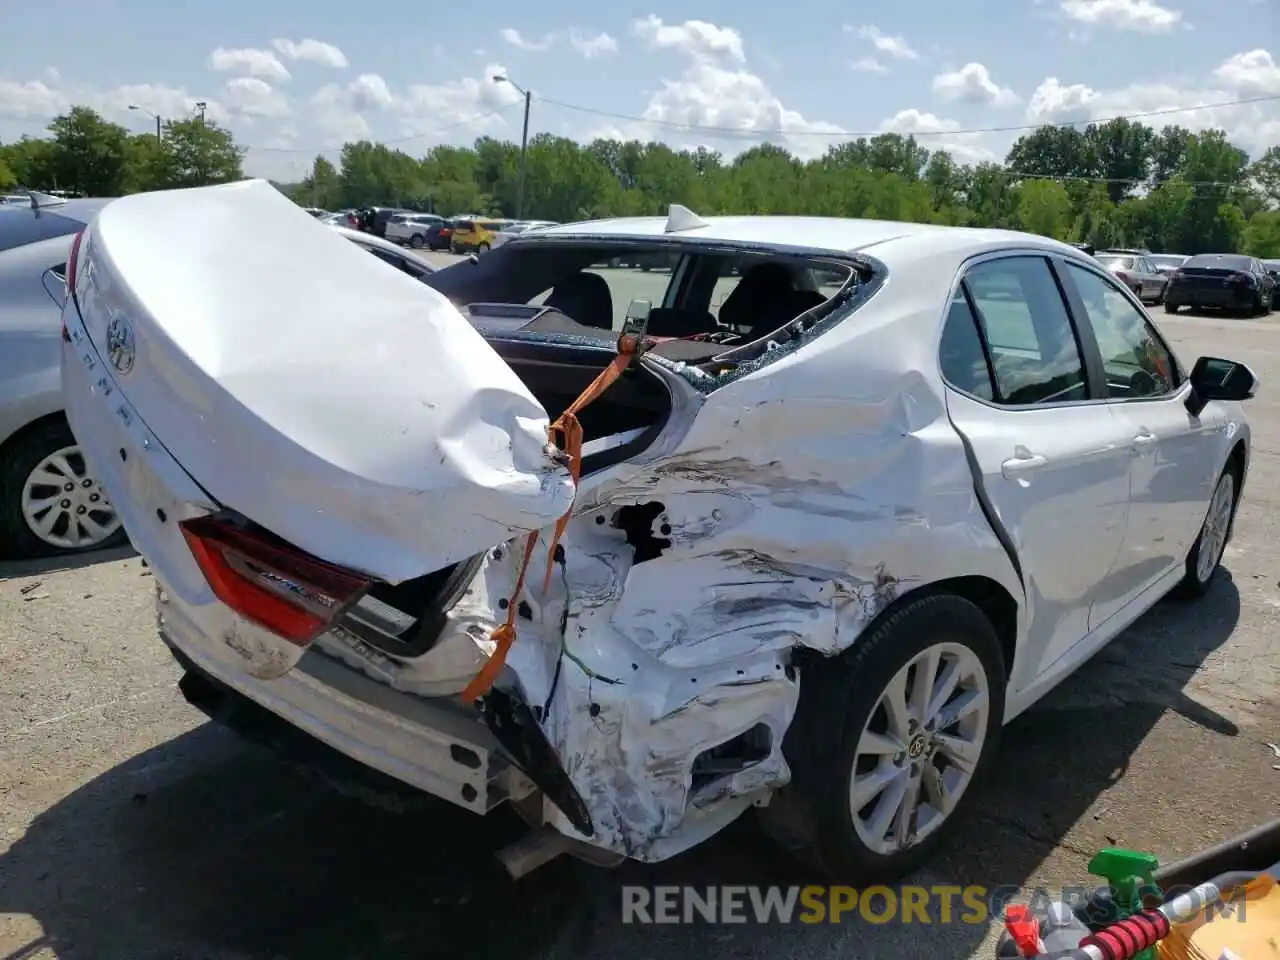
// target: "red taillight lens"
[[1120, 274], [73, 260], [1244, 278], [291, 593]]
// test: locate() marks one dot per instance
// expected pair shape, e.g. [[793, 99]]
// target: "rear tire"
[[1204, 560], [1170, 307], [848, 774], [51, 449], [417, 242]]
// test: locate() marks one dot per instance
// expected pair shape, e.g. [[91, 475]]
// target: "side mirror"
[[1213, 378]]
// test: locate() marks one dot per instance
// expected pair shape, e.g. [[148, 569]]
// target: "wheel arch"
[[988, 595], [1238, 463], [39, 423]]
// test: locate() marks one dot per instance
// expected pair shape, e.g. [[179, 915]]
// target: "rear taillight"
[[73, 260], [289, 592], [1243, 278], [1120, 274]]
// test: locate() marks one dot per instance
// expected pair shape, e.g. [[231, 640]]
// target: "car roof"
[[883, 239]]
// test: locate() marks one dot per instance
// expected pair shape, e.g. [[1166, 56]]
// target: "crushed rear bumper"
[[330, 718]]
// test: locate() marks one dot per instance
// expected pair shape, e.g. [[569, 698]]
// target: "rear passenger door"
[[1053, 461]]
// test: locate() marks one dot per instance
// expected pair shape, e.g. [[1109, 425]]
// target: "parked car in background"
[[1221, 281], [412, 228], [374, 220], [336, 537], [1166, 263], [50, 500], [1273, 270], [1136, 272], [516, 228], [474, 236]]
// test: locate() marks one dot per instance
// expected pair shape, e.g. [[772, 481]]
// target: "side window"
[[1032, 346], [964, 362], [1136, 362]]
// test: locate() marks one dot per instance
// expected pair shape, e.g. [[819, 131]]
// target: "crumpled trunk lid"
[[341, 404]]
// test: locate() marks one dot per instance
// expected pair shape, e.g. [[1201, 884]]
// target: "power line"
[[855, 135]]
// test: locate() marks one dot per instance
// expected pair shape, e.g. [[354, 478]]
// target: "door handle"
[[1021, 463], [1144, 441]]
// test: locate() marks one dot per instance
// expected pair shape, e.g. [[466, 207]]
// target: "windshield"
[[1219, 261]]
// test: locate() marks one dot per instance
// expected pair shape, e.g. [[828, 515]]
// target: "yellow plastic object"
[[1249, 928]]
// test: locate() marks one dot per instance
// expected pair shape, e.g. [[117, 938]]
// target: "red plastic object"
[[1129, 937], [1024, 930]]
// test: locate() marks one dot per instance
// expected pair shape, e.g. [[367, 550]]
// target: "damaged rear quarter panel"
[[805, 497]]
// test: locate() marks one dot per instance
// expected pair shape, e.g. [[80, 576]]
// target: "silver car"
[[1137, 272], [809, 553], [50, 501]]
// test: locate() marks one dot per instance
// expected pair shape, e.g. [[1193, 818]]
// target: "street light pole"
[[524, 145], [201, 106], [156, 116]]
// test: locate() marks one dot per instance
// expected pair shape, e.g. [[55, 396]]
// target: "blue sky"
[[296, 77]]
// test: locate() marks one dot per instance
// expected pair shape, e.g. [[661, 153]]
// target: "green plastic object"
[[1131, 876]]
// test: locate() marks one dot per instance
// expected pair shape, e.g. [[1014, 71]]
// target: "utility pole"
[[201, 106], [524, 145]]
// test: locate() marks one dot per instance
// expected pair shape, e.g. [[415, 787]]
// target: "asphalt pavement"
[[131, 828]]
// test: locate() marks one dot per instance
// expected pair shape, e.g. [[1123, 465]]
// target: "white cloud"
[[1253, 74], [253, 98], [972, 83], [32, 100], [937, 133], [716, 89], [1252, 126], [312, 51], [585, 43], [520, 42], [592, 45], [893, 46], [694, 38], [1142, 16], [868, 65], [249, 61]]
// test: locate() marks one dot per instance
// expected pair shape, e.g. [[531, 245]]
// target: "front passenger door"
[[1053, 462], [1172, 479]]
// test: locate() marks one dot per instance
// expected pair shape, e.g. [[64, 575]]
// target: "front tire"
[[50, 503], [1204, 560], [1170, 307], [892, 736]]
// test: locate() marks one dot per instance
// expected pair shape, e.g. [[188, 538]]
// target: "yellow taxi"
[[474, 235]]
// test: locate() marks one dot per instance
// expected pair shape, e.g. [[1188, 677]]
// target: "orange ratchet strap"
[[568, 432]]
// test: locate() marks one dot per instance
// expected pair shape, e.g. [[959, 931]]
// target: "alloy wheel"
[[920, 748], [1213, 536]]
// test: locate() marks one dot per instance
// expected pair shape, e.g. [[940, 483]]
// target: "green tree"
[[87, 153], [197, 153], [1044, 208], [1265, 172]]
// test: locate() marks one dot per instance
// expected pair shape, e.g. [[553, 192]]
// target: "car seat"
[[765, 299], [586, 298]]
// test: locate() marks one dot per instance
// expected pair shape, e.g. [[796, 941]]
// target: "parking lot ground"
[[130, 828]]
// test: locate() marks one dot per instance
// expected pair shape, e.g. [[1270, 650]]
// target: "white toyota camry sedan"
[[798, 524]]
